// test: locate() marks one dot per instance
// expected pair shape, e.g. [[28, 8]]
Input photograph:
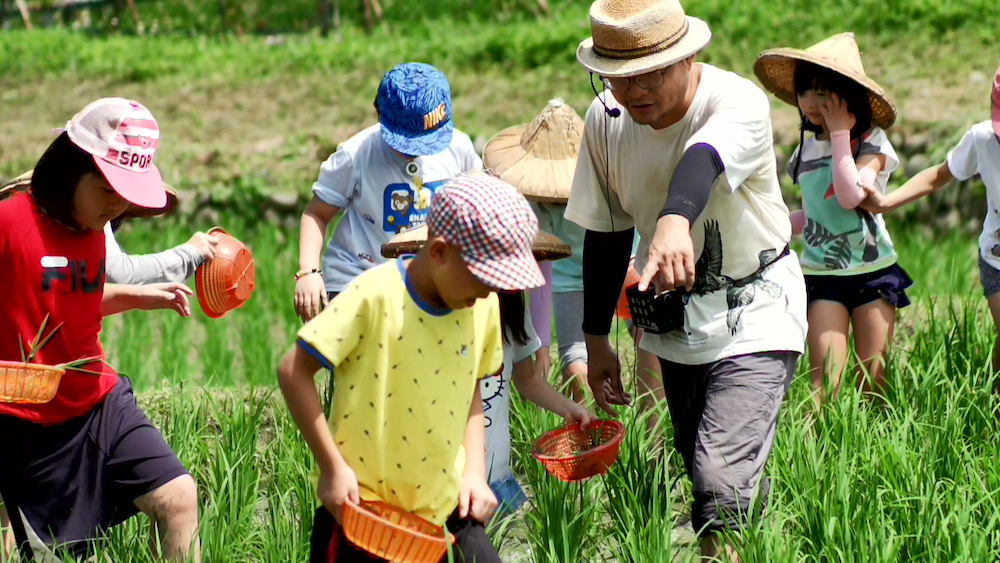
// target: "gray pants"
[[724, 416], [568, 311]]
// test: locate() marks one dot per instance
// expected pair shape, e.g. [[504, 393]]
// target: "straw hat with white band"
[[23, 182], [539, 158], [775, 68], [633, 37]]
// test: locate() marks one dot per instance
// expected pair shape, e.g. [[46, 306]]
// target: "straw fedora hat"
[[776, 70], [23, 182], [546, 247], [633, 37], [539, 158]]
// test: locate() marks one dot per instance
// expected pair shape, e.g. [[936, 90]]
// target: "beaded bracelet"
[[303, 273]]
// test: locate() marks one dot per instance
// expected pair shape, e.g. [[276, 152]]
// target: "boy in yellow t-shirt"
[[410, 340]]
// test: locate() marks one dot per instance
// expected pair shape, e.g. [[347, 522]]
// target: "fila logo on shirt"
[[58, 270]]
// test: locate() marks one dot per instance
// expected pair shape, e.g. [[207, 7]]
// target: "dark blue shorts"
[[854, 291], [989, 278], [73, 481]]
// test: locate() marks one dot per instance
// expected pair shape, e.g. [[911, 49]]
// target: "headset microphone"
[[613, 112]]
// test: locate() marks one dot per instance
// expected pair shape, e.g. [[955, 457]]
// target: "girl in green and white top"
[[852, 278]]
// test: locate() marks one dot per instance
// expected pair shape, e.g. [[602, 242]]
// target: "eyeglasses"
[[648, 81]]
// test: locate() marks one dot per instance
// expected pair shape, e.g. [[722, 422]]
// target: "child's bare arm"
[[475, 500], [295, 377], [310, 292], [539, 392], [475, 441], [924, 183], [118, 298]]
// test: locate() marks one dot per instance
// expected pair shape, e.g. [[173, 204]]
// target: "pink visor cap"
[[122, 136]]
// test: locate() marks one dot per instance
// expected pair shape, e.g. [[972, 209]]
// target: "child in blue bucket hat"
[[382, 179]]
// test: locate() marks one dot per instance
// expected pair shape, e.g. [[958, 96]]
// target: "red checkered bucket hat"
[[493, 225]]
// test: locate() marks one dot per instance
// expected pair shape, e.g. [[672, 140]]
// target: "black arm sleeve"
[[605, 263], [691, 184]]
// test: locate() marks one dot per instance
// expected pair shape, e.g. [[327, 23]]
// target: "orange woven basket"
[[573, 454], [227, 281], [394, 535], [28, 383], [631, 278]]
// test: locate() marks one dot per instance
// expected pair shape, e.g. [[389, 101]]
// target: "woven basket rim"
[[29, 365], [362, 511], [568, 428]]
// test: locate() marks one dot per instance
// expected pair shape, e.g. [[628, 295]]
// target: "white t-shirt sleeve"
[[592, 203], [111, 248], [963, 161], [336, 183], [877, 143], [524, 352], [471, 162], [739, 129]]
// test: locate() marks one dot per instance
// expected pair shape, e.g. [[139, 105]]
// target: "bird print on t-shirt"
[[739, 293]]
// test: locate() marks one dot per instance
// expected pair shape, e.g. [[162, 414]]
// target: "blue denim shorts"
[[509, 495]]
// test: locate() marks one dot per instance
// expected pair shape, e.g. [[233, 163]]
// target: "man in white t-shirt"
[[383, 179], [683, 152]]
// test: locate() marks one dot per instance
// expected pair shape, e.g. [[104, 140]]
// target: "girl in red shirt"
[[89, 458]]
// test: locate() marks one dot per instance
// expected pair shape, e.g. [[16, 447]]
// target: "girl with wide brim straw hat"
[[854, 281], [775, 68], [539, 158]]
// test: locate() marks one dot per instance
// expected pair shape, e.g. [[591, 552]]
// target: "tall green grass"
[[457, 33]]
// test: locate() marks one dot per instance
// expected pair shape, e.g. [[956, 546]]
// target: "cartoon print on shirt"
[[491, 388], [398, 201], [406, 206]]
